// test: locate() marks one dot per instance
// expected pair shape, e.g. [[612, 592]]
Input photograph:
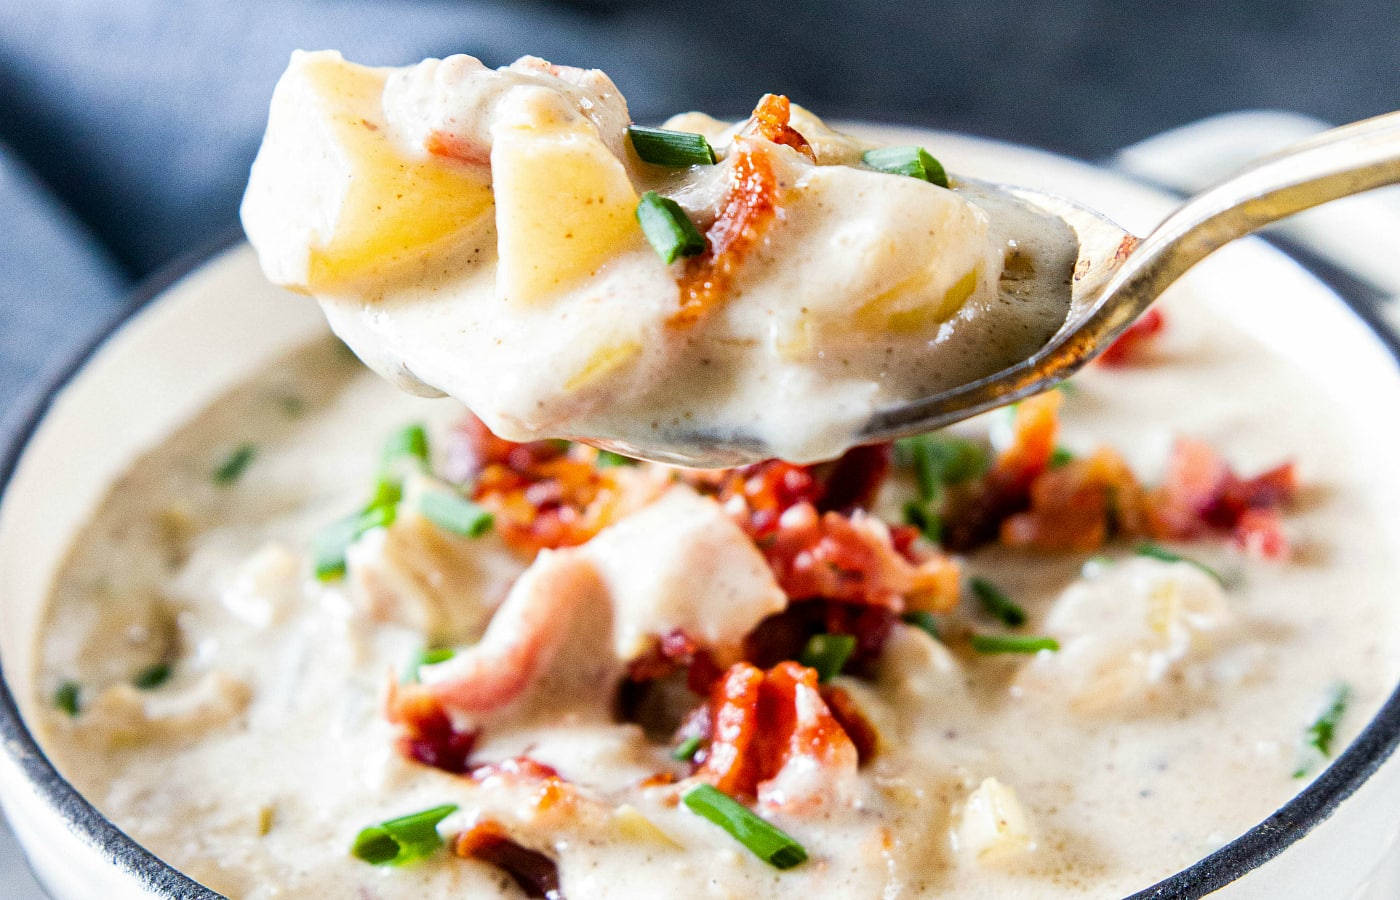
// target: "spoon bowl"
[[1116, 278]]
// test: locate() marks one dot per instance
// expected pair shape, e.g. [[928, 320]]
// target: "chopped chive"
[[607, 459], [152, 677], [455, 513], [939, 460], [827, 653], [1157, 551], [1060, 456], [685, 751], [667, 228], [1067, 387], [330, 544], [674, 149], [233, 466], [67, 696], [292, 405], [428, 656], [1012, 643], [915, 162], [923, 620], [1317, 740], [402, 840], [929, 523], [409, 442], [997, 603], [762, 838], [387, 492]]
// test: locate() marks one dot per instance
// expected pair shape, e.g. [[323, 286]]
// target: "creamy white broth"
[[254, 767], [550, 316]]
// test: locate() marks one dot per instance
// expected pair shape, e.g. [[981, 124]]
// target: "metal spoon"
[[1116, 278]]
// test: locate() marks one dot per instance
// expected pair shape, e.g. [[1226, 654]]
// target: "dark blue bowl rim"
[[1252, 849]]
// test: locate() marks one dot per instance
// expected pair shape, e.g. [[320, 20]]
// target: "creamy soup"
[[505, 237], [1088, 668]]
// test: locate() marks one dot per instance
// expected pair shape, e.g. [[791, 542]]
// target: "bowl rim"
[[1256, 846]]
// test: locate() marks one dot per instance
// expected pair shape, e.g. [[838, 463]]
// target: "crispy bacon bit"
[[750, 205], [488, 841], [764, 720], [1079, 506], [542, 497], [853, 481], [428, 735], [1201, 492], [1131, 343], [459, 148], [976, 514], [770, 119], [852, 721], [783, 635], [672, 652], [853, 559]]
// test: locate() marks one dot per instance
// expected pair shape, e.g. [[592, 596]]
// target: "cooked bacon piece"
[[1201, 492], [783, 636], [771, 118], [488, 841], [975, 514], [542, 496], [756, 496], [852, 721], [765, 720], [1132, 342], [672, 652], [1079, 506], [428, 735], [853, 559], [749, 207], [853, 481]]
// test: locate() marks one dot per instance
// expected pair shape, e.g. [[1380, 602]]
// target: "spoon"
[[1117, 276]]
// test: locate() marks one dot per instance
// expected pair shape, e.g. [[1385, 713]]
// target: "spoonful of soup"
[[706, 293]]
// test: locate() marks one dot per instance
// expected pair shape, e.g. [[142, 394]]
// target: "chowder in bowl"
[[253, 768]]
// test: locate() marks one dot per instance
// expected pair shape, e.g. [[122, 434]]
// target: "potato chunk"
[[564, 203], [332, 199]]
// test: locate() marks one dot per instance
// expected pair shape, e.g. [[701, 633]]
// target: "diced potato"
[[564, 206], [993, 825], [332, 199]]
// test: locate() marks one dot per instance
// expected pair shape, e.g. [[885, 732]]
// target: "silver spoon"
[[1117, 276]]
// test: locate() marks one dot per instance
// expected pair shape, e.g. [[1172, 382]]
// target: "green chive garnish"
[[929, 523], [66, 697], [685, 752], [939, 460], [996, 603], [330, 543], [402, 840], [409, 442], [231, 469], [455, 513], [1060, 456], [763, 839], [1317, 740], [667, 228], [673, 149], [1157, 551], [915, 162], [152, 677], [924, 621], [428, 656], [1012, 643], [607, 459], [827, 653]]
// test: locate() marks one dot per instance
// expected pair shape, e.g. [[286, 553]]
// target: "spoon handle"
[[1334, 164]]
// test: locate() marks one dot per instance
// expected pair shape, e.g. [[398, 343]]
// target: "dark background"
[[142, 115]]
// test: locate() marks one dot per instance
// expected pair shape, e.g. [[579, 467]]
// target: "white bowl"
[[206, 327]]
